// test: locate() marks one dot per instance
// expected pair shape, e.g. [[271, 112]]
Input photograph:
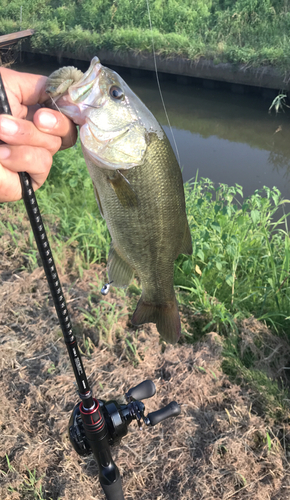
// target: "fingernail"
[[47, 120], [4, 152], [8, 126]]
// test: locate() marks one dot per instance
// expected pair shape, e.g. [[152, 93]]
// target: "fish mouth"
[[80, 90], [80, 93]]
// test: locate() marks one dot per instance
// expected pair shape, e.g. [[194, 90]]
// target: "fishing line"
[[159, 87], [58, 109], [54, 103]]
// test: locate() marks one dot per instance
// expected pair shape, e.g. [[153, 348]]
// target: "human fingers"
[[35, 161], [53, 122], [15, 131], [23, 89]]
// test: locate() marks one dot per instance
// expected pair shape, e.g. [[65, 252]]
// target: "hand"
[[32, 136]]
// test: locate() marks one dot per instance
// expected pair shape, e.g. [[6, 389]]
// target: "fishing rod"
[[95, 425]]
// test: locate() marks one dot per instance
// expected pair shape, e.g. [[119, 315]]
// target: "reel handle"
[[144, 390], [171, 410]]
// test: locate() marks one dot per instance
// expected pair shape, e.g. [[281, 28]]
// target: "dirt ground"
[[216, 449]]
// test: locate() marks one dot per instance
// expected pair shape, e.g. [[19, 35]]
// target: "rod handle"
[[144, 390], [171, 410], [114, 491]]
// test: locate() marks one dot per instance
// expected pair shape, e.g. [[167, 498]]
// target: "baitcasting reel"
[[93, 429], [117, 417]]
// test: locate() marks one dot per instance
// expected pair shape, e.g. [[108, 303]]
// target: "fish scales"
[[142, 235], [143, 204]]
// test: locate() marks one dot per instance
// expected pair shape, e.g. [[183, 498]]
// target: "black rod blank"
[[108, 471], [43, 246]]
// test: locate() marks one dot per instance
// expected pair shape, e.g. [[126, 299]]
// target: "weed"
[[269, 442], [104, 317], [30, 486], [279, 103], [10, 468], [270, 397], [88, 346], [240, 261], [51, 369], [75, 228], [131, 350]]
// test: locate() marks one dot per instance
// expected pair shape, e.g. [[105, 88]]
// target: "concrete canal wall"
[[239, 76]]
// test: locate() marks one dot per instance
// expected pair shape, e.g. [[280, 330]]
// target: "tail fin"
[[165, 316]]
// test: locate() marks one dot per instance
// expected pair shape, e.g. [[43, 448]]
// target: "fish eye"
[[116, 92]]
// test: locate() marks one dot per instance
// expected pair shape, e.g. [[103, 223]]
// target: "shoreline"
[[241, 75]]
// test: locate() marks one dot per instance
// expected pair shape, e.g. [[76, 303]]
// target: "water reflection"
[[226, 137]]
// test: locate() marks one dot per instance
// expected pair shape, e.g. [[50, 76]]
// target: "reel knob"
[[171, 410], [144, 390]]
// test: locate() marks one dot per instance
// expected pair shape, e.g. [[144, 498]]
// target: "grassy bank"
[[239, 270], [241, 247], [243, 31], [240, 262]]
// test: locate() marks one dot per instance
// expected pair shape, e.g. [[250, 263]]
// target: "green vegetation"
[[240, 261], [69, 199], [241, 247], [242, 31], [28, 485], [105, 316], [239, 267]]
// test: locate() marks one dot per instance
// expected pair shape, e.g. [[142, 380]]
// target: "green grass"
[[241, 247], [104, 316], [29, 486], [240, 265], [69, 201], [241, 255], [77, 233], [271, 396], [255, 32]]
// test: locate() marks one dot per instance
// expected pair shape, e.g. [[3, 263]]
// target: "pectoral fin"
[[123, 189], [98, 200], [120, 273]]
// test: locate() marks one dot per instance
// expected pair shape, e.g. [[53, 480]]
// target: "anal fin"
[[120, 273]]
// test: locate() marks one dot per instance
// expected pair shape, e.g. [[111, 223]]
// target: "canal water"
[[226, 137]]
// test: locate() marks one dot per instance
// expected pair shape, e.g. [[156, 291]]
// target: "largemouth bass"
[[138, 186]]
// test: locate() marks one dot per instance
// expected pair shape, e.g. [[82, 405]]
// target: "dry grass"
[[220, 447], [216, 449], [270, 352]]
